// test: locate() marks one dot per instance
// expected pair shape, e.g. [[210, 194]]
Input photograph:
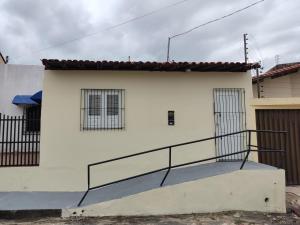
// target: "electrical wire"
[[218, 19], [258, 50], [257, 47], [207, 23], [110, 27]]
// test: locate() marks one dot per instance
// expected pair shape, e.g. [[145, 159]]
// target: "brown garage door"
[[281, 120]]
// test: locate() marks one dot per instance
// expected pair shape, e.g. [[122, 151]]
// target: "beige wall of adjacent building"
[[276, 103], [281, 87], [66, 150]]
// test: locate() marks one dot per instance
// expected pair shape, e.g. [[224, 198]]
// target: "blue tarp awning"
[[23, 100], [28, 99], [37, 97]]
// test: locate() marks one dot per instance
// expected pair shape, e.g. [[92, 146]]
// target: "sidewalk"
[[293, 199]]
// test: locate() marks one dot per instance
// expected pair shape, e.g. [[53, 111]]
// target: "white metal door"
[[230, 117]]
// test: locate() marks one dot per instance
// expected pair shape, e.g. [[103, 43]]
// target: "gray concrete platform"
[[60, 200]]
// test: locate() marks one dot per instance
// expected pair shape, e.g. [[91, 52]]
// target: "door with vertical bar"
[[230, 117]]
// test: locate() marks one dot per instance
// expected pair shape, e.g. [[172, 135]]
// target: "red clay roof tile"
[[55, 64], [282, 70]]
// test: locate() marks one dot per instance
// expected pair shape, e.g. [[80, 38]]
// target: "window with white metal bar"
[[102, 109]]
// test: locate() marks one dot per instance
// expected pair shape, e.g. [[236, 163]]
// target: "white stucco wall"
[[18, 80], [148, 97], [66, 151]]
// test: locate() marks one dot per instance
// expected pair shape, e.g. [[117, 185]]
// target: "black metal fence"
[[19, 140]]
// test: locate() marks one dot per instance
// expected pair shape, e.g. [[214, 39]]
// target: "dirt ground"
[[229, 218], [225, 218]]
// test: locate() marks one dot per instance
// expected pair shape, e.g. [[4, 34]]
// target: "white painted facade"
[[18, 80], [66, 150]]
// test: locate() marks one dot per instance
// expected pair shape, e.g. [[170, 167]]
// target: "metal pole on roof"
[[168, 52], [257, 83], [246, 48]]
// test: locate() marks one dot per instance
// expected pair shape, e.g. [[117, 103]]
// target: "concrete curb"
[[22, 214]]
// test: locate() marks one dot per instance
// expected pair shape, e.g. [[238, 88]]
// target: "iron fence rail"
[[170, 166], [19, 141]]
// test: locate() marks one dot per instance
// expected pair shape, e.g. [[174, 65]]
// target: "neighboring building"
[[282, 81], [20, 113], [17, 84], [278, 108], [98, 111], [2, 59]]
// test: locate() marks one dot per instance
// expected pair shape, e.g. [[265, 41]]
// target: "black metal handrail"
[[170, 166]]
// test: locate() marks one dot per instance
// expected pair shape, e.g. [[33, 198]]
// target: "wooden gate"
[[284, 120], [20, 140]]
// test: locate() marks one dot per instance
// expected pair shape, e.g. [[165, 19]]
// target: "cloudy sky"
[[35, 29]]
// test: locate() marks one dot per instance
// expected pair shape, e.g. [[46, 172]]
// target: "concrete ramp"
[[126, 189], [176, 176], [246, 190]]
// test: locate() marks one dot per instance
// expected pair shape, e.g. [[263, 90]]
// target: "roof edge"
[[275, 73], [55, 64]]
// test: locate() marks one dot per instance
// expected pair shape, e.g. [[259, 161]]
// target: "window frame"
[[93, 111], [103, 120]]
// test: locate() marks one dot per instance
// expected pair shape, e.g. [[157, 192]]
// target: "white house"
[[140, 138]]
